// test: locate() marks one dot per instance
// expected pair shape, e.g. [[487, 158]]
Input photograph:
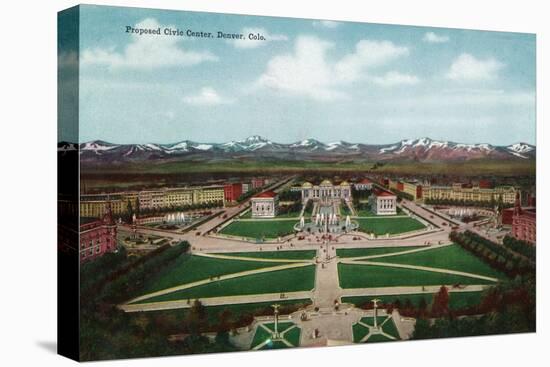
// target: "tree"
[[196, 318], [440, 303]]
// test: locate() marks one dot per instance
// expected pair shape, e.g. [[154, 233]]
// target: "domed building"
[[326, 191]]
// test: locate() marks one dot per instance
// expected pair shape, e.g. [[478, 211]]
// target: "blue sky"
[[356, 82]]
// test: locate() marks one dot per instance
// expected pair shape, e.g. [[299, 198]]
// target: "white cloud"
[[368, 54], [431, 37], [207, 96], [147, 51], [307, 71], [326, 23], [468, 68], [394, 78], [251, 43]]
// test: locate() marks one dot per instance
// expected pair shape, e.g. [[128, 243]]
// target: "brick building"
[[232, 192], [524, 223], [97, 236]]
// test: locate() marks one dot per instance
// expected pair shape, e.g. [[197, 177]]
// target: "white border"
[[28, 111]]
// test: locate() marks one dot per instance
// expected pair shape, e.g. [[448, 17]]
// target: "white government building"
[[383, 202], [264, 205], [325, 191]]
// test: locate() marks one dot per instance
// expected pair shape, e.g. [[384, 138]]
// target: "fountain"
[[326, 221]]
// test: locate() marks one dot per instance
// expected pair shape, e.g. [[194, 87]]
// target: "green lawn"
[[369, 213], [261, 228], [448, 257], [260, 336], [288, 255], [370, 320], [292, 335], [344, 209], [380, 225], [356, 252], [359, 331], [187, 269], [369, 276], [288, 280], [457, 300]]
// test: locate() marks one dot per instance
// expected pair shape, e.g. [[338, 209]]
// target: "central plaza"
[[326, 266]]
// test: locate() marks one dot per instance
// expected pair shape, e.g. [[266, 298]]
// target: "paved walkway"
[[217, 301], [256, 259], [417, 289]]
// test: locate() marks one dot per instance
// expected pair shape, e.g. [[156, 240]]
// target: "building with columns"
[[326, 191], [383, 202], [264, 205]]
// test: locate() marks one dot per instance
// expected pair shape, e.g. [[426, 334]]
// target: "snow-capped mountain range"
[[422, 149]]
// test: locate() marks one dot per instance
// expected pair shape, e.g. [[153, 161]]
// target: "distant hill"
[[257, 147]]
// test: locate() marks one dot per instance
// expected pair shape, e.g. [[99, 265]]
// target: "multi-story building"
[[264, 205], [257, 183], [524, 223], [94, 206], [465, 192], [97, 236], [413, 188], [247, 186], [325, 191], [395, 185], [383, 202], [232, 191]]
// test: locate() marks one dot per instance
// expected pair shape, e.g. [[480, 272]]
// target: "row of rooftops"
[[325, 182], [121, 194]]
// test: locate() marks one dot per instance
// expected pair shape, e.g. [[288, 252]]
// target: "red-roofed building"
[[231, 192], [264, 205], [383, 202]]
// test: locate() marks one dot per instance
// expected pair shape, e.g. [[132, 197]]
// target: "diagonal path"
[[424, 268], [404, 252], [221, 277]]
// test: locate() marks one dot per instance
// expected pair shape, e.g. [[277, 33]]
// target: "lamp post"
[[375, 305], [276, 314]]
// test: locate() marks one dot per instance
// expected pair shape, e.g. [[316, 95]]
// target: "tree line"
[[497, 256], [524, 248], [107, 332]]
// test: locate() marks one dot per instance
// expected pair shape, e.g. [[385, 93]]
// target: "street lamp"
[[276, 314], [375, 305]]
